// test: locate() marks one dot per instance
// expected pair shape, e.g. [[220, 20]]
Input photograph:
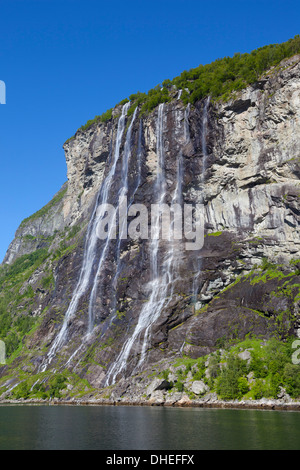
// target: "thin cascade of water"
[[172, 256], [161, 284], [139, 161], [122, 195], [80, 289], [105, 200], [163, 288], [186, 124], [202, 182], [145, 315], [89, 251], [110, 320], [203, 143]]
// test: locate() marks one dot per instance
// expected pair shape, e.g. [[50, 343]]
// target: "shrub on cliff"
[[231, 383], [291, 379], [218, 79]]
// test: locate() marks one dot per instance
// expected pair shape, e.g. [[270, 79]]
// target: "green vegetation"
[[17, 293], [223, 76], [48, 282], [15, 300], [102, 118], [267, 271], [217, 80], [271, 364], [231, 382], [29, 237], [52, 389], [13, 274], [73, 231], [268, 369], [57, 198], [47, 386], [63, 250], [214, 234]]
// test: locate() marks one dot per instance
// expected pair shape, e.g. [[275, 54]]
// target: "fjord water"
[[146, 428]]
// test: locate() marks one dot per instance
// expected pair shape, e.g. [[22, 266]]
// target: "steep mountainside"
[[98, 311]]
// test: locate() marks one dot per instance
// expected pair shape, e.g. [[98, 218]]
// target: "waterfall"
[[139, 161], [161, 284], [109, 180], [165, 255], [186, 124], [148, 310], [203, 143], [202, 182], [90, 249], [122, 195], [109, 321]]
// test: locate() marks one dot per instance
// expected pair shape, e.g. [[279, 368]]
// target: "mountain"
[[91, 318]]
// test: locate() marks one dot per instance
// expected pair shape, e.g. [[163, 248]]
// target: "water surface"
[[145, 428]]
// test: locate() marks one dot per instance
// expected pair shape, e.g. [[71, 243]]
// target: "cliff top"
[[217, 79]]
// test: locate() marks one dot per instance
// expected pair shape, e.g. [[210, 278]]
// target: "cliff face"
[[118, 307]]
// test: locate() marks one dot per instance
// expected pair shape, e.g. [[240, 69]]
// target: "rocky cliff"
[[109, 310]]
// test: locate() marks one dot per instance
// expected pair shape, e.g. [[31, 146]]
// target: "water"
[[162, 277], [89, 252], [187, 124], [123, 197], [164, 272], [139, 160], [204, 137], [105, 200], [202, 182], [68, 427], [145, 318]]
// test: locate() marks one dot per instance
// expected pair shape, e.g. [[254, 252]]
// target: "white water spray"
[[123, 193], [161, 285], [202, 181], [89, 251], [105, 200]]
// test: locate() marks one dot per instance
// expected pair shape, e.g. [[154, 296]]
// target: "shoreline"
[[262, 404]]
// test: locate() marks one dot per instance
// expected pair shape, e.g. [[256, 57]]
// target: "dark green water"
[[143, 428]]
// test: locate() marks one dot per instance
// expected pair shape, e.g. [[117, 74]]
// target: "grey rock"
[[199, 387], [157, 384], [252, 212], [245, 355]]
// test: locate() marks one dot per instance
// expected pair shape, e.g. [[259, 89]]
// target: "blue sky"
[[66, 61]]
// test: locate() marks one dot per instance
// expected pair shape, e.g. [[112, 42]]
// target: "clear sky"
[[66, 61]]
